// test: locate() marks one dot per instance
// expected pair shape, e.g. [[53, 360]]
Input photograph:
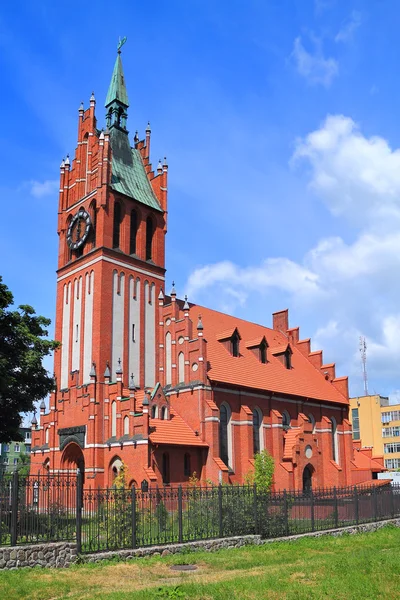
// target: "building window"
[[392, 415], [263, 352], [116, 224], [356, 423], [391, 431], [168, 358], [149, 238], [186, 465], [257, 431], [288, 359], [17, 448], [154, 411], [334, 441], [6, 448], [235, 344], [225, 440], [311, 420], [133, 232], [285, 420], [113, 419], [392, 463], [181, 367], [46, 435], [126, 425], [164, 413], [15, 461], [392, 448], [165, 467]]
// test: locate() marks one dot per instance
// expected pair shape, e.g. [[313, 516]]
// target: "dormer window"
[[259, 348], [284, 355], [231, 340]]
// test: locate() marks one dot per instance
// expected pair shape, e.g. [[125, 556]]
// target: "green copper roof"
[[128, 175], [117, 90]]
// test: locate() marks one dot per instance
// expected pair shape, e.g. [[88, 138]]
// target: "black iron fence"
[[51, 508]]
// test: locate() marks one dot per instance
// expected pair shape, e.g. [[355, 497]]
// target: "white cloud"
[[314, 67], [356, 176], [349, 26], [323, 5], [39, 189]]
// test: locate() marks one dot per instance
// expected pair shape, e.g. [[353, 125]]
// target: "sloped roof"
[[117, 89], [363, 461], [303, 379], [174, 432], [290, 441], [128, 175]]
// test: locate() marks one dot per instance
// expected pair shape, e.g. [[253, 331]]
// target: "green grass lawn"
[[357, 566]]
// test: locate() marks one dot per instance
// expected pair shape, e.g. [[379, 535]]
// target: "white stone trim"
[[211, 419], [112, 261], [241, 422]]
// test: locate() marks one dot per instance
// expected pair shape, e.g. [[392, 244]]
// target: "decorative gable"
[[259, 347], [283, 354], [231, 340]]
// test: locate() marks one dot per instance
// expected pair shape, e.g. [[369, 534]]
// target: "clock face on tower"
[[78, 229]]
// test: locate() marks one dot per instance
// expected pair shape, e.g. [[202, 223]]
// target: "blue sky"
[[280, 123]]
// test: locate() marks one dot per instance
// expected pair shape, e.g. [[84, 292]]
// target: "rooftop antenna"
[[363, 352]]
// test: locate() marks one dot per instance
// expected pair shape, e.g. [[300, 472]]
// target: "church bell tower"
[[111, 227]]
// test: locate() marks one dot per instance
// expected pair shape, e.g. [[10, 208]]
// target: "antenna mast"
[[363, 352]]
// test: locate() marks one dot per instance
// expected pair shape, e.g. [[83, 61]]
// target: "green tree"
[[263, 473], [23, 379], [23, 464]]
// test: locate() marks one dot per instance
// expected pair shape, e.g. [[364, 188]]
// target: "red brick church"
[[165, 386]]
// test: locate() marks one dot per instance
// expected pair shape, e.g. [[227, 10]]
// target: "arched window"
[[257, 431], [115, 466], [164, 413], [126, 425], [334, 441], [311, 419], [116, 224], [113, 419], [186, 465], [285, 420], [168, 359], [154, 411], [181, 367], [46, 435], [149, 238], [133, 232], [165, 467], [225, 436], [93, 214]]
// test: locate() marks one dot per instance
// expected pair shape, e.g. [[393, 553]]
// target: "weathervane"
[[120, 44]]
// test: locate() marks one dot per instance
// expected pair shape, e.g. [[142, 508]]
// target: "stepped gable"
[[306, 378]]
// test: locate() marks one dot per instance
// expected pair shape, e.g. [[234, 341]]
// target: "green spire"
[[117, 98], [117, 90]]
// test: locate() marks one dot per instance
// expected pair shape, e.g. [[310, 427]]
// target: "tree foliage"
[[263, 474], [23, 379]]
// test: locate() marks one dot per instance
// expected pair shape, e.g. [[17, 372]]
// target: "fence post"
[[14, 509], [79, 498], [392, 502], [255, 507], [312, 510], [133, 517], [221, 532], [375, 503], [180, 511], [336, 507], [356, 504], [286, 512]]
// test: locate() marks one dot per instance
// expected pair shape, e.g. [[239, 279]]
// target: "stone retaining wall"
[[63, 554], [60, 554]]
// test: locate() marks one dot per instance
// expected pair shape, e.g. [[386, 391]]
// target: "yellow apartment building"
[[377, 424]]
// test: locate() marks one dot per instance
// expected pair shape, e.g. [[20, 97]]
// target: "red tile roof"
[[290, 441], [174, 432], [279, 349], [303, 379]]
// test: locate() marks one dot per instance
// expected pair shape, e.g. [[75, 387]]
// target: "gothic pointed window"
[[334, 441], [285, 420], [113, 419], [235, 344], [263, 352], [133, 232], [116, 225], [225, 442], [257, 431], [165, 467], [149, 238]]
